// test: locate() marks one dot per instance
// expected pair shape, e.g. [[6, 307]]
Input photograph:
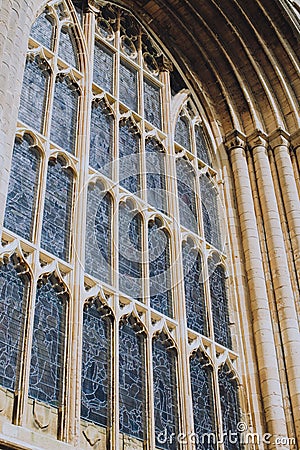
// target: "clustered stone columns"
[[258, 144]]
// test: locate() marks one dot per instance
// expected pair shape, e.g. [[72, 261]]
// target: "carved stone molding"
[[92, 435], [279, 138], [235, 139], [258, 139]]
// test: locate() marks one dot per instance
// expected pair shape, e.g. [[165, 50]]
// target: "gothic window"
[[186, 195], [67, 49], [201, 145], [22, 189], [96, 365], [203, 402], [128, 86], [159, 268], [48, 342], [98, 233], [14, 287], [210, 211], [130, 251], [132, 382], [129, 159], [156, 180], [152, 104], [182, 132], [103, 67], [165, 393], [194, 287], [42, 29]]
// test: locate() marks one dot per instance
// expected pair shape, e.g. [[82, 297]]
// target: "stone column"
[[262, 324], [284, 296]]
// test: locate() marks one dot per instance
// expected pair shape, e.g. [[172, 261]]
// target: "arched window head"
[[57, 209], [203, 402], [48, 353], [209, 200], [14, 289], [156, 180], [182, 132], [23, 188], [129, 158], [159, 268], [67, 49], [42, 30], [202, 145], [96, 363], [132, 379], [186, 194], [164, 365], [98, 233], [194, 287]]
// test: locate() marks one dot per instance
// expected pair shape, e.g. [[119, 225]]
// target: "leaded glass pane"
[[201, 145], [64, 115], [42, 30], [129, 158], [182, 133], [231, 415], [132, 386], [193, 288], [128, 86], [96, 368], [22, 189], [98, 233], [152, 106], [103, 67], [159, 269], [13, 294], [48, 345], [210, 211], [34, 93], [67, 47], [156, 180], [165, 394], [186, 195], [130, 252], [101, 139], [57, 209], [219, 304]]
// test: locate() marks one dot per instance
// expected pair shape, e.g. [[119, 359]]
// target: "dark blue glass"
[[101, 140], [42, 30], [182, 133], [159, 269], [103, 67], [64, 115], [48, 344], [98, 234], [186, 195], [219, 304], [152, 106], [22, 189], [96, 365], [164, 363], [156, 180], [203, 403], [193, 288], [34, 94], [130, 252], [129, 158], [210, 211], [231, 414], [57, 210], [201, 145], [132, 385], [13, 295], [128, 86], [67, 49]]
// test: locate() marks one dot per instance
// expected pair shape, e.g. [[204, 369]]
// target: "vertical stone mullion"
[[262, 324]]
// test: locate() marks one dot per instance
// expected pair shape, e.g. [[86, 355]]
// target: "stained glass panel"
[[42, 30], [159, 269], [182, 133], [210, 211], [22, 189], [186, 195], [132, 386], [48, 345], [156, 180], [34, 91], [101, 140], [57, 210], [103, 67], [130, 252], [129, 158], [164, 362], [201, 145], [64, 115], [203, 407], [67, 47], [219, 304], [128, 86], [193, 288], [13, 294], [95, 375], [152, 106], [98, 234]]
